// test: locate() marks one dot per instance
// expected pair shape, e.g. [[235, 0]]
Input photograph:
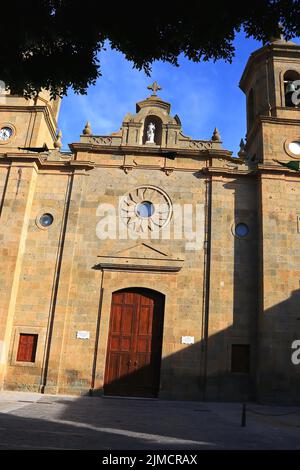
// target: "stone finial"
[[87, 129], [242, 152], [216, 136], [57, 143]]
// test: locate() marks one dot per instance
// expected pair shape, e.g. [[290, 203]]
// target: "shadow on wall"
[[271, 332], [278, 379], [251, 359], [275, 380]]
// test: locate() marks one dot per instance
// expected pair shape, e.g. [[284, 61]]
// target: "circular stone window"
[[145, 208], [294, 147], [5, 133], [46, 220], [241, 230]]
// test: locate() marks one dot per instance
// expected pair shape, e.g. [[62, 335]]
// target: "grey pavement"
[[35, 421]]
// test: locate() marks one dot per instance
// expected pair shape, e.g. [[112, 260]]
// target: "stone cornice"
[[144, 150], [276, 169], [262, 119], [261, 169], [280, 120], [231, 169], [132, 124], [211, 170], [43, 164], [139, 264]]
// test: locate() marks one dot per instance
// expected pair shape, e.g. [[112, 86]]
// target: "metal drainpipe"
[[206, 279], [94, 368]]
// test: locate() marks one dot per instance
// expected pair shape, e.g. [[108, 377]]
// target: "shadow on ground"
[[56, 422]]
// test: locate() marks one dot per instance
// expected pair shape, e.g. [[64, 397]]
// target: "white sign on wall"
[[187, 339], [83, 335]]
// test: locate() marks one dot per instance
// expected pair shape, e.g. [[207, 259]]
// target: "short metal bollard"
[[244, 416]]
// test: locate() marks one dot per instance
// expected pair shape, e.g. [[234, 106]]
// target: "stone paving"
[[34, 421]]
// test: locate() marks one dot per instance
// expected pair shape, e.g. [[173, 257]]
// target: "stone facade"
[[230, 297]]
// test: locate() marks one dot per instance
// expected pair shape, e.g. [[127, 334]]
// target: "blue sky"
[[203, 95]]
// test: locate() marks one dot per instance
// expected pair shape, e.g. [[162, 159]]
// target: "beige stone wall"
[[54, 273], [59, 288], [77, 299], [23, 124], [270, 138], [4, 171], [34, 295], [278, 378], [276, 136], [233, 286], [15, 218], [183, 290]]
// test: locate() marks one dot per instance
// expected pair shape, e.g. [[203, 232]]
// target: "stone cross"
[[154, 87]]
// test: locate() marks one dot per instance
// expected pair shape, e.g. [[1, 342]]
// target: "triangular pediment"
[[142, 250], [141, 256]]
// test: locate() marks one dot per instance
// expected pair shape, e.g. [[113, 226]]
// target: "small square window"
[[27, 347], [240, 358]]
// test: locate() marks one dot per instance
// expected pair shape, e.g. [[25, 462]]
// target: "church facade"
[[146, 263]]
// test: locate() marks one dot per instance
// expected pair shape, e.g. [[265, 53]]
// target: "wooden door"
[[134, 343]]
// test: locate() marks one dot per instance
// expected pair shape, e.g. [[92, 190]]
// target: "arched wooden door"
[[134, 343]]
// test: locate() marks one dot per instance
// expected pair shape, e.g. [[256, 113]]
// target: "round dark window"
[[241, 230], [46, 220], [145, 209]]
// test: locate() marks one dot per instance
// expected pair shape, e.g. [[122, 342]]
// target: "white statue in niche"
[[150, 133]]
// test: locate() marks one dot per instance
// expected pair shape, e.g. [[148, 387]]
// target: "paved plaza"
[[34, 421]]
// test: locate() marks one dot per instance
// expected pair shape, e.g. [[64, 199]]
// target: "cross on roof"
[[154, 87]]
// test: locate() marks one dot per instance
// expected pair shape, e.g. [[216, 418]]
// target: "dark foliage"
[[53, 44]]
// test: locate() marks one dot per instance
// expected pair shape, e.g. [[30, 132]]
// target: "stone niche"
[[167, 134], [155, 110], [158, 129]]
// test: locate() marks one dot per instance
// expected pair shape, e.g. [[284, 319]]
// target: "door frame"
[[113, 280], [159, 300]]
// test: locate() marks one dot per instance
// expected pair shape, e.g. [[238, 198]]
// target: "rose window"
[[146, 208]]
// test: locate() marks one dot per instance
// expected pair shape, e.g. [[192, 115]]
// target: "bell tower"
[[271, 84], [27, 122]]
